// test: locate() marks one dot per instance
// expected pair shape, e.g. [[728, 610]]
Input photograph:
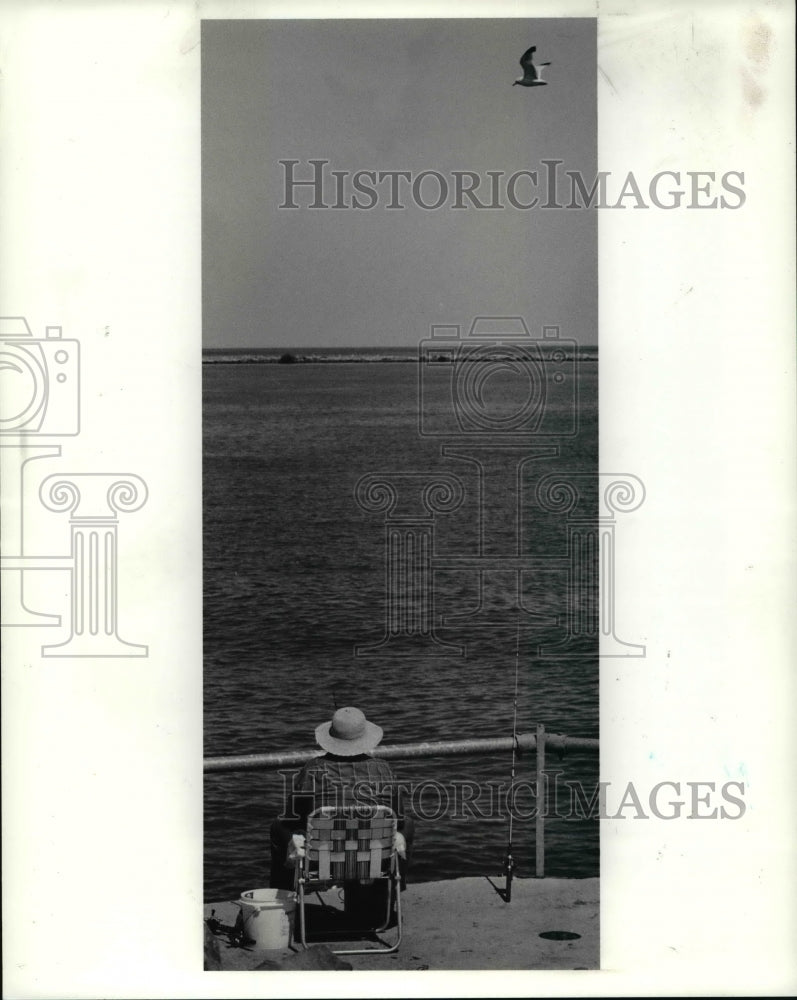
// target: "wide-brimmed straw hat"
[[348, 734]]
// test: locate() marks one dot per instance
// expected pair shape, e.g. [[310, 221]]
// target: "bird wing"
[[527, 59]]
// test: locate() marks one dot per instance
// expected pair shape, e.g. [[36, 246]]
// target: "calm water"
[[294, 579]]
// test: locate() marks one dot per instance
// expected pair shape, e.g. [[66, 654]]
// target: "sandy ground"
[[463, 924]]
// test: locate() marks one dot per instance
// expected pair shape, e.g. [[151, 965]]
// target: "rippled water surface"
[[294, 579]]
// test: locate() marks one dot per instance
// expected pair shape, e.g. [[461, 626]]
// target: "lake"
[[299, 578]]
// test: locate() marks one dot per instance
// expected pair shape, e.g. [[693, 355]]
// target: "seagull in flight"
[[531, 72]]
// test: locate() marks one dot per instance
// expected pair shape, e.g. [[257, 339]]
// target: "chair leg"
[[399, 926], [390, 894], [394, 892], [301, 916]]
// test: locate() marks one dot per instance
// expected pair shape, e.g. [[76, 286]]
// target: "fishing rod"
[[509, 864]]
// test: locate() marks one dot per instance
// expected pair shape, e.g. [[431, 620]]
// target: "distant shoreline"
[[301, 360], [220, 356]]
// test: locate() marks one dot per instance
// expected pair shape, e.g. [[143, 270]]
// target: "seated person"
[[346, 774]]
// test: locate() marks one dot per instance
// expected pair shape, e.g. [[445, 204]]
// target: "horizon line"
[[344, 347]]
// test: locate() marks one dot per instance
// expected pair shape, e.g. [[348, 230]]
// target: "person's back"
[[332, 780], [346, 774]]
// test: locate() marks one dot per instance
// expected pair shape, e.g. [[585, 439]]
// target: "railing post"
[[539, 830]]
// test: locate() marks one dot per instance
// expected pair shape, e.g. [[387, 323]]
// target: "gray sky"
[[391, 95]]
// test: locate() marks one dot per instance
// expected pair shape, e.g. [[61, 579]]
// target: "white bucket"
[[268, 916]]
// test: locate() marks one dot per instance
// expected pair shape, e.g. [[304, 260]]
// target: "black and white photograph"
[[400, 475], [397, 470]]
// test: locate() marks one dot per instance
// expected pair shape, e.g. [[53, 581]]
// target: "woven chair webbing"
[[349, 847]]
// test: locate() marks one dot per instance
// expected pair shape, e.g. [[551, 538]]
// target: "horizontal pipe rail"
[[406, 751]]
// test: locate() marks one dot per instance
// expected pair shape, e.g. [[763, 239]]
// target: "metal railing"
[[538, 741]]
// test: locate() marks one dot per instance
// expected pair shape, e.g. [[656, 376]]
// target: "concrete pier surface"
[[462, 923]]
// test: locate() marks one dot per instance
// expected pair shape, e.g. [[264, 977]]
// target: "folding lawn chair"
[[352, 846]]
